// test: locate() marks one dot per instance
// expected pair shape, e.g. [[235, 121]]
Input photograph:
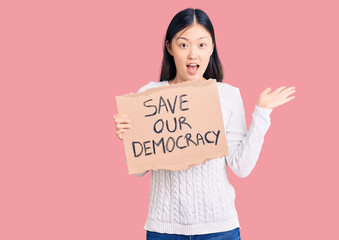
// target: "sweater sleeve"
[[141, 174], [244, 147]]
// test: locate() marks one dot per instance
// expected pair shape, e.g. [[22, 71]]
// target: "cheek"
[[205, 62], [177, 57], [179, 61], [206, 59]]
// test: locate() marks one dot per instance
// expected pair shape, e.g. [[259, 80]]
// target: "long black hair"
[[180, 21]]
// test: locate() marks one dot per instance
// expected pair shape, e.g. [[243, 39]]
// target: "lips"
[[192, 68]]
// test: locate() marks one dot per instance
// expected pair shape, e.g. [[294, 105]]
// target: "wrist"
[[263, 106], [263, 111]]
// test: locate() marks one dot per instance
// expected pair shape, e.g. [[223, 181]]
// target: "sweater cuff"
[[265, 112]]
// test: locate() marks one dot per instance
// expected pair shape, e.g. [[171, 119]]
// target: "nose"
[[193, 53]]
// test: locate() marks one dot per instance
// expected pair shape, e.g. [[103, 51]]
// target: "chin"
[[198, 78]]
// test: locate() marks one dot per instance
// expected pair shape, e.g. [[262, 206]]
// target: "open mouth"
[[192, 68]]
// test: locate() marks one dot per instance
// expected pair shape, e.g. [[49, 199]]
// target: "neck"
[[177, 79]]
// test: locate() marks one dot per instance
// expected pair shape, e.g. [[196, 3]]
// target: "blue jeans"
[[228, 235]]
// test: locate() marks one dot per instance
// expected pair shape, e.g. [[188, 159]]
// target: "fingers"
[[121, 118], [266, 91], [119, 133], [286, 91], [122, 124], [289, 90], [282, 89], [288, 99], [122, 115], [278, 90]]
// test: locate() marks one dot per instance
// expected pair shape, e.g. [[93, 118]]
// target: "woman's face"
[[191, 49]]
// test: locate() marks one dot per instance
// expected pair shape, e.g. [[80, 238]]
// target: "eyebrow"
[[188, 40]]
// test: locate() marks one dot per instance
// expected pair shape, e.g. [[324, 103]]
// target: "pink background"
[[63, 173]]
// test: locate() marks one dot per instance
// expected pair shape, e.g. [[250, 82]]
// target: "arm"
[[244, 147]]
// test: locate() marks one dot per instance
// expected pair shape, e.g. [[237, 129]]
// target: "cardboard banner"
[[173, 127]]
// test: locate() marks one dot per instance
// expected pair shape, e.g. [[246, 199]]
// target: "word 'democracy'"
[[179, 123], [173, 127]]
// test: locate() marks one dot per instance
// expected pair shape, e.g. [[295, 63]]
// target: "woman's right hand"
[[122, 124]]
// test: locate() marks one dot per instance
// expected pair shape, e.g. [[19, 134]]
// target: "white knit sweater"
[[200, 200]]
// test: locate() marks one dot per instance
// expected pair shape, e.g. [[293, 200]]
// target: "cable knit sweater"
[[200, 200]]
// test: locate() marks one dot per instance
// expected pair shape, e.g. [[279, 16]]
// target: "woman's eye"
[[202, 44], [183, 44]]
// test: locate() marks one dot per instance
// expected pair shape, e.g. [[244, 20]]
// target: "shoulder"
[[230, 97], [151, 85], [227, 90]]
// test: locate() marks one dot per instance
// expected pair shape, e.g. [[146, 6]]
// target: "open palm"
[[276, 98]]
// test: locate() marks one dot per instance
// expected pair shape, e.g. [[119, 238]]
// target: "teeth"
[[193, 65]]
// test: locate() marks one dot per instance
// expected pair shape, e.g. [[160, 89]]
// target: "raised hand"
[[276, 98]]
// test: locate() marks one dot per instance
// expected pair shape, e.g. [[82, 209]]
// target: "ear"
[[169, 47]]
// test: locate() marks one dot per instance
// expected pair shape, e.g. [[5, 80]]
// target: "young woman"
[[200, 201]]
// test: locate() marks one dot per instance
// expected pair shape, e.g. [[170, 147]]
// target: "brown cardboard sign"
[[173, 127]]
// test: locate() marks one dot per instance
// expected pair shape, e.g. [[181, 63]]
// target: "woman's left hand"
[[275, 98]]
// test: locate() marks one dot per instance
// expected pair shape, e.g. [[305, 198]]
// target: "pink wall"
[[63, 173]]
